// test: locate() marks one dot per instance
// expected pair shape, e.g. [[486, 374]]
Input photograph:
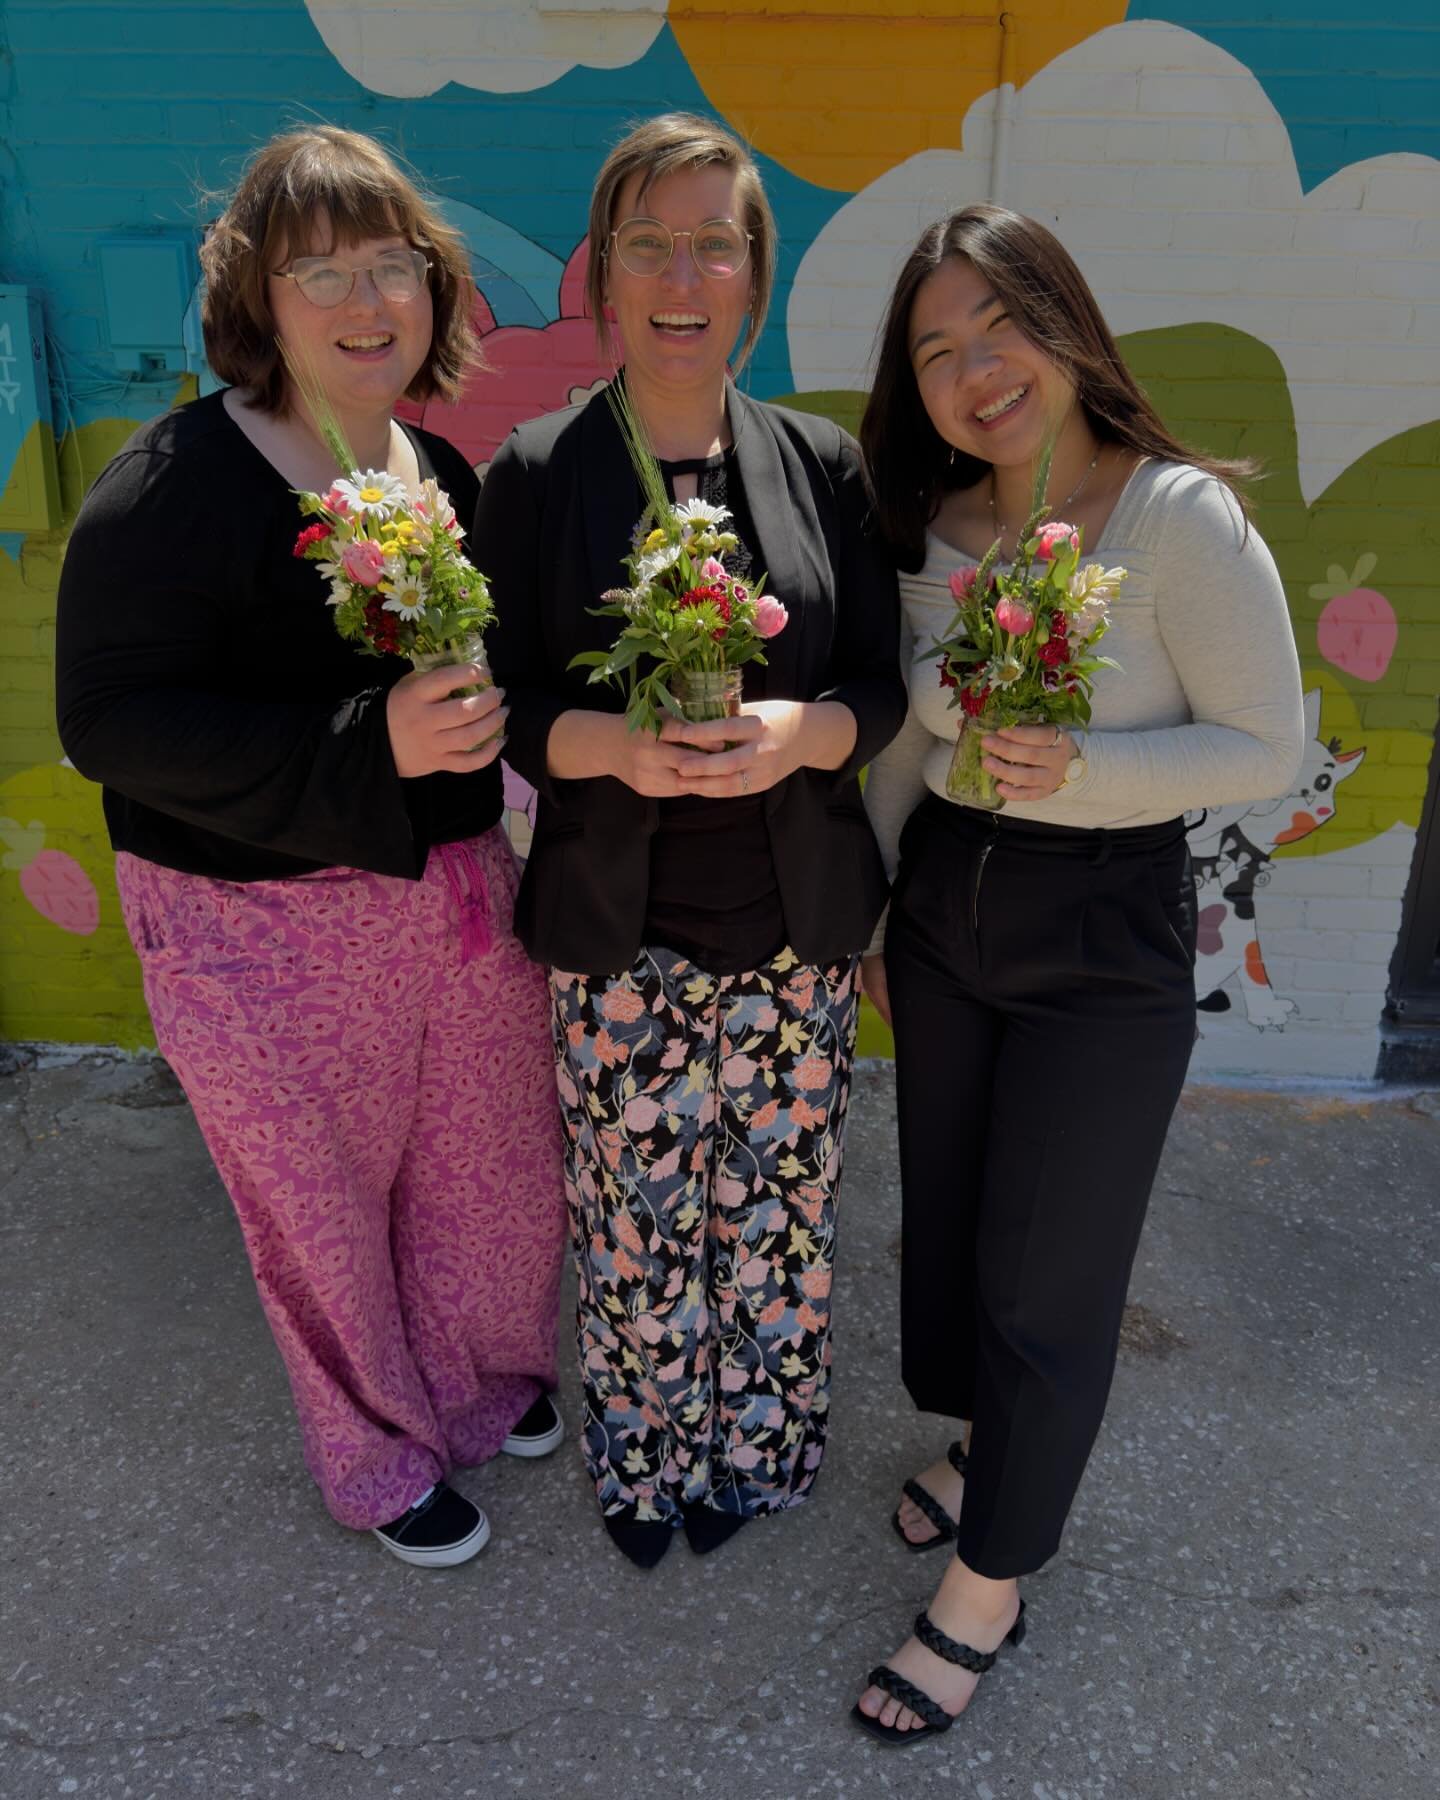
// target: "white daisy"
[[656, 562], [407, 595], [373, 491], [700, 512]]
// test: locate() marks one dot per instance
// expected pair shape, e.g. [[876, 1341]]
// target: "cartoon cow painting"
[[1232, 848]]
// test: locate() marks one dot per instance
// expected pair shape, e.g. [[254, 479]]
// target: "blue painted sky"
[[143, 81], [150, 77], [1349, 81]]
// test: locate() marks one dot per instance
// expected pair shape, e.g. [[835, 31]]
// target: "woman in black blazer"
[[701, 907]]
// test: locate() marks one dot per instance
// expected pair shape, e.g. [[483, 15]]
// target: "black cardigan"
[[200, 677], [554, 520]]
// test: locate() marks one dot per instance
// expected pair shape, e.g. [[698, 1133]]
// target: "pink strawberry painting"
[[1357, 631], [54, 883]]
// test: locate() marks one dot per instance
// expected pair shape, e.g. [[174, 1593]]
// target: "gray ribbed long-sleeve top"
[[1205, 707]]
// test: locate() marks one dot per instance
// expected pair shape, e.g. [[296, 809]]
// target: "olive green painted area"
[[844, 405], [1224, 392]]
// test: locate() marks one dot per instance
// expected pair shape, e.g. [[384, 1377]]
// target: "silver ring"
[[744, 781]]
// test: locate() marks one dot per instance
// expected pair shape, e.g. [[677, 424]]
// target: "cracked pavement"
[[1245, 1603]]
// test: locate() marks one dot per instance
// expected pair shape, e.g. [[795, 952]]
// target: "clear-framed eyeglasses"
[[325, 281], [719, 248]]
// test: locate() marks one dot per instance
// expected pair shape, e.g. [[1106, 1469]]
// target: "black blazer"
[[554, 520]]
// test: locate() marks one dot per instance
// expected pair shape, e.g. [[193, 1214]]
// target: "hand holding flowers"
[[1020, 653], [688, 620]]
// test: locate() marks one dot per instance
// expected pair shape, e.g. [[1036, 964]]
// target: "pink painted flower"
[[1054, 537], [363, 561], [962, 582], [771, 617], [1014, 616]]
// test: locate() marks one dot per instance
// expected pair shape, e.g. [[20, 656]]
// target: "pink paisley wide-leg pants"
[[369, 1061]]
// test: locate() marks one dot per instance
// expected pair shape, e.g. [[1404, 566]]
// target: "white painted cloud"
[[410, 47], [1164, 169]]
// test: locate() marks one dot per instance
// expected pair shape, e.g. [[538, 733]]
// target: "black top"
[[553, 523], [713, 894], [200, 677]]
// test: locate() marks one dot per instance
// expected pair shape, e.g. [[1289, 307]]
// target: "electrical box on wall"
[[147, 278], [29, 476]]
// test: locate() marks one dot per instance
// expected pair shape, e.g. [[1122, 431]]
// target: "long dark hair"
[[1035, 277]]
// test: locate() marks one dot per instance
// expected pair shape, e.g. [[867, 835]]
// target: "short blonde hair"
[[351, 181], [665, 146]]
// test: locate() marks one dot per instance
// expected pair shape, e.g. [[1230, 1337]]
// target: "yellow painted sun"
[[838, 91]]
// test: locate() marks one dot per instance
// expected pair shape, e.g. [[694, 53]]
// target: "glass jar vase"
[[967, 779], [709, 693]]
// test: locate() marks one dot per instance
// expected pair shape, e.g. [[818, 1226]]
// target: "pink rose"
[[363, 561], [334, 501], [771, 617], [962, 582], [1014, 616], [1053, 537]]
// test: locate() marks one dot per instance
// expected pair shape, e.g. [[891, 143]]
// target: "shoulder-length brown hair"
[[660, 147], [1038, 283], [350, 182]]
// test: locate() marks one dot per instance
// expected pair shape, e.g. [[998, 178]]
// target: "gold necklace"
[[1003, 531]]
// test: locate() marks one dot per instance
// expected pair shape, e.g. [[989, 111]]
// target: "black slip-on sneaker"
[[441, 1529], [538, 1433]]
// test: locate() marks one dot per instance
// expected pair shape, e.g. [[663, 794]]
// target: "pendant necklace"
[[1003, 531]]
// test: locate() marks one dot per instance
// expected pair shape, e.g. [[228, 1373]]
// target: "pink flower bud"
[[771, 617], [712, 569], [1014, 616], [363, 561], [1053, 537], [962, 582]]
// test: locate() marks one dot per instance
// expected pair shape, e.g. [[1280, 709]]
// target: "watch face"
[[1075, 768]]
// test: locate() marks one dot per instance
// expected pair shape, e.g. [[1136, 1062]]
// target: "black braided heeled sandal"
[[978, 1662], [930, 1506]]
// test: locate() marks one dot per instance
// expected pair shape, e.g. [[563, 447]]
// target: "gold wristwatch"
[[1074, 769]]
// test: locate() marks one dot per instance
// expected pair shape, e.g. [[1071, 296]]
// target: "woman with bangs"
[[1038, 964], [310, 859], [700, 899]]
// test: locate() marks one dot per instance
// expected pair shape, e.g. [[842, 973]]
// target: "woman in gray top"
[[1038, 963]]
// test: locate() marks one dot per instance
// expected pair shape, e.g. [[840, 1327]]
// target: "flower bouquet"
[[1021, 647], [690, 620], [399, 582]]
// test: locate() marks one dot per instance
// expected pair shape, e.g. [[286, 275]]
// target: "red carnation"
[[312, 534], [946, 678], [1059, 624], [974, 703], [698, 596], [1054, 653]]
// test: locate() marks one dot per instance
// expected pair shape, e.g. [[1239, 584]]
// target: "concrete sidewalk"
[[1247, 1602]]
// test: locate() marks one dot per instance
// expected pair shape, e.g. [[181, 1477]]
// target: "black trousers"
[[1041, 980]]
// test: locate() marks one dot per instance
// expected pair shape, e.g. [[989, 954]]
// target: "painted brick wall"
[[1256, 200]]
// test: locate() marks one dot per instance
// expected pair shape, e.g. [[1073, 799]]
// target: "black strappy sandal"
[[930, 1506], [978, 1662]]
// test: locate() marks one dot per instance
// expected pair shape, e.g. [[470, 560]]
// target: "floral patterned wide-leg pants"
[[369, 1061], [706, 1124]]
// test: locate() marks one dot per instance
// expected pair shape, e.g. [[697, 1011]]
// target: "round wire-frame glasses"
[[719, 248]]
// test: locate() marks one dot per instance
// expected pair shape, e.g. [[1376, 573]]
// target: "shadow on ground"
[[1246, 1602]]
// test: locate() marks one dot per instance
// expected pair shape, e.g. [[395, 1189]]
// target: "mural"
[[1256, 201], [1233, 848]]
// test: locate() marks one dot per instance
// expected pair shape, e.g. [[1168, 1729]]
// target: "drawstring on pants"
[[471, 896]]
